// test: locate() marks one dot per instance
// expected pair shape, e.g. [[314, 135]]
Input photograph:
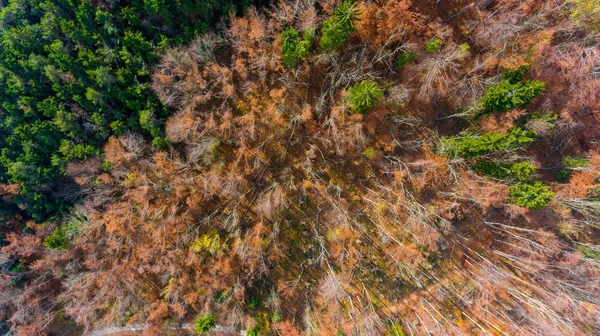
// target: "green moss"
[[276, 317]]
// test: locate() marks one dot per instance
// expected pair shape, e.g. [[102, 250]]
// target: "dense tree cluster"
[[74, 72]]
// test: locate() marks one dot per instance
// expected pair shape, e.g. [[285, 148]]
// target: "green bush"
[[433, 46], [405, 58], [204, 323], [521, 171], [511, 92], [370, 153], [464, 49], [364, 95], [531, 195], [18, 276], [590, 253], [575, 161], [63, 235], [293, 49], [18, 268], [339, 27], [253, 332], [491, 168], [210, 243], [585, 13], [517, 75], [253, 303], [57, 240], [394, 329], [562, 175], [477, 145], [160, 142]]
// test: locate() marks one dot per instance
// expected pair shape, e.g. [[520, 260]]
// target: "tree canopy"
[[73, 73]]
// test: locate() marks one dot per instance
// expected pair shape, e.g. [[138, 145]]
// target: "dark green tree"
[[340, 26], [511, 92]]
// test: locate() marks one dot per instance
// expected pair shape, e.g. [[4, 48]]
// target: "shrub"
[[370, 153], [531, 195], [253, 332], [18, 276], [585, 13], [464, 49], [63, 235], [253, 303], [18, 268], [517, 75], [590, 253], [208, 242], [105, 167], [491, 168], [160, 142], [575, 161], [276, 317], [521, 171], [405, 58], [293, 49], [477, 145], [339, 27], [364, 95], [433, 46], [394, 329], [57, 240], [511, 92], [562, 175], [506, 96], [204, 323]]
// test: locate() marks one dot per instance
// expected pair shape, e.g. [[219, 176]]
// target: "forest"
[[306, 167]]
